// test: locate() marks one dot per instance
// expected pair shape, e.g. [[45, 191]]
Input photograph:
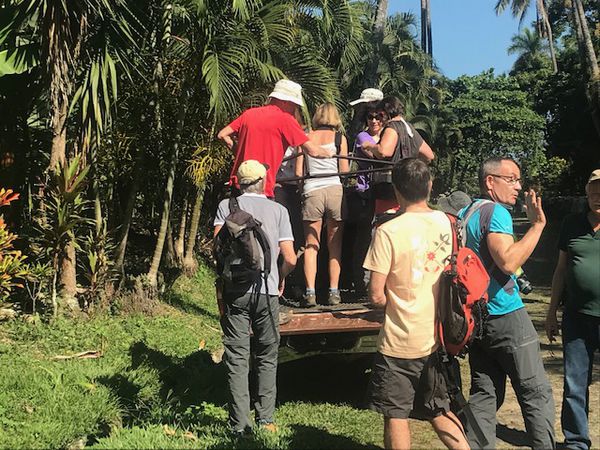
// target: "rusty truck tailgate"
[[331, 320]]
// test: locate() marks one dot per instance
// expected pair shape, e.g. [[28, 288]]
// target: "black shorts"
[[403, 388]]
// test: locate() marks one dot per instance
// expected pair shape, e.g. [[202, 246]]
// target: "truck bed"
[[345, 317], [345, 328]]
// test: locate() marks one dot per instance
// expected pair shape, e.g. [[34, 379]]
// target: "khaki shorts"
[[326, 202]]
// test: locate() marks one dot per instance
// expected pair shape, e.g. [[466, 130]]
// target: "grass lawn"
[[156, 385]]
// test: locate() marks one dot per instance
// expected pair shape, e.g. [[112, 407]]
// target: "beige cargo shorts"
[[324, 203]]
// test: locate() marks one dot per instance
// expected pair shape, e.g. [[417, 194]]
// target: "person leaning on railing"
[[323, 199], [399, 140]]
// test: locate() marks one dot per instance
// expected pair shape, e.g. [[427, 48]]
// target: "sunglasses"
[[375, 117]]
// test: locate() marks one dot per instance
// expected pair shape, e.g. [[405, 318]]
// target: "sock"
[[310, 291], [334, 290]]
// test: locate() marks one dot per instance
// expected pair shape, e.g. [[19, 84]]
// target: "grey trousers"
[[259, 313], [510, 348]]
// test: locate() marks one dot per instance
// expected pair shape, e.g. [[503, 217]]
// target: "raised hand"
[[533, 204]]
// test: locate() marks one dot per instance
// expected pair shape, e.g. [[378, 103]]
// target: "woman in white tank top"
[[322, 199]]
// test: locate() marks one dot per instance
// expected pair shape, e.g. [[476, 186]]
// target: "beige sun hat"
[[594, 176], [250, 171], [368, 95], [288, 91]]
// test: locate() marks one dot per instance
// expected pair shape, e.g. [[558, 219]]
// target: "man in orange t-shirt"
[[263, 133], [406, 258]]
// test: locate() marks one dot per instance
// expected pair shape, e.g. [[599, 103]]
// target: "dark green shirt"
[[582, 282]]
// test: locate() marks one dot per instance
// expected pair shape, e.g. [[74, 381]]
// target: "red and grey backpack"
[[462, 306]]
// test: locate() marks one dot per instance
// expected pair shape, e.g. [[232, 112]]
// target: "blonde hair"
[[327, 115]]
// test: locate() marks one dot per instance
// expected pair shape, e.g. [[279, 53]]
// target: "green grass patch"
[[155, 385]]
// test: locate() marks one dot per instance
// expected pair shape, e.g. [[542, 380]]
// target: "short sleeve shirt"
[[363, 179], [275, 222], [491, 217], [411, 250], [263, 134], [582, 283]]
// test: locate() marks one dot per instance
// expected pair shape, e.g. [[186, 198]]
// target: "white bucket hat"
[[288, 91], [368, 95]]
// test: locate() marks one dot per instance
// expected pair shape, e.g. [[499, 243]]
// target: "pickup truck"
[[349, 328]]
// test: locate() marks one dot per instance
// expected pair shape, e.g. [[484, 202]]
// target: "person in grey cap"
[[576, 283]]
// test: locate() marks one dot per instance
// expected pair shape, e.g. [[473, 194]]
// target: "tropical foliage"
[[108, 112], [12, 267]]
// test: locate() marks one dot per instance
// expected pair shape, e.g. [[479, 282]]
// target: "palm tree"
[[426, 34], [70, 41], [531, 50], [588, 56], [519, 8], [370, 76]]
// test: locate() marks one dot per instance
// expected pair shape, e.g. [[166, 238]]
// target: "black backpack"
[[242, 251]]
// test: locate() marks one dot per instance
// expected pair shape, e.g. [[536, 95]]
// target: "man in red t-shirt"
[[263, 133]]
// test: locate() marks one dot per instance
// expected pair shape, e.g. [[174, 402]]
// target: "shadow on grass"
[[184, 304], [339, 379], [183, 382], [307, 437]]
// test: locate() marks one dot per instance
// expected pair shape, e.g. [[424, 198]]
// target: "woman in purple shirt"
[[360, 201]]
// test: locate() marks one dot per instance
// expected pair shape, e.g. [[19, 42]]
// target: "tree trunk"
[[429, 31], [587, 43], [371, 78], [189, 263], [170, 257], [180, 241], [128, 213], [543, 13], [168, 194], [68, 279], [426, 33], [589, 60], [424, 26]]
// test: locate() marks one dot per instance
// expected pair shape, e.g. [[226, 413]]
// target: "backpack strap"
[[263, 241], [485, 219], [233, 204], [471, 210], [454, 230], [338, 142]]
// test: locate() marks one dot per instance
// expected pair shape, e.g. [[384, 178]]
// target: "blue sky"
[[468, 37]]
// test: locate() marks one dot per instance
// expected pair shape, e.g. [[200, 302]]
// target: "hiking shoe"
[[244, 433], [270, 427], [334, 298], [308, 301], [284, 318]]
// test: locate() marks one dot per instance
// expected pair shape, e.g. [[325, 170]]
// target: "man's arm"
[[316, 151], [377, 289], [510, 255], [288, 262], [558, 286], [225, 135]]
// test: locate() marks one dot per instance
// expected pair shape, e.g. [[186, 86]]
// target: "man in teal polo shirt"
[[510, 346], [576, 282]]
